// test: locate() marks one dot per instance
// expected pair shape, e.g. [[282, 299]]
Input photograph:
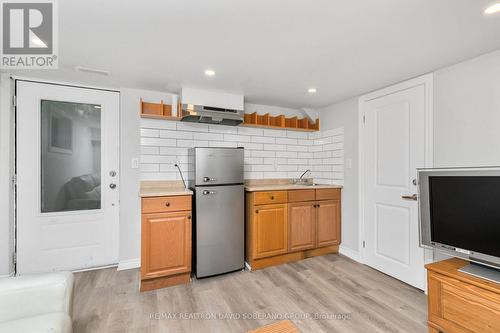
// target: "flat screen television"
[[460, 212]]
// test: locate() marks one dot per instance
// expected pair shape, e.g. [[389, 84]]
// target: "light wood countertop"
[[256, 185], [163, 189]]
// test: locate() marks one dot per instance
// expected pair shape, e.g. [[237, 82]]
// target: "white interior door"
[[394, 141], [67, 177]]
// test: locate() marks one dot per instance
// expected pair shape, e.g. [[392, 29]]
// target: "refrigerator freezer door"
[[220, 229], [217, 166]]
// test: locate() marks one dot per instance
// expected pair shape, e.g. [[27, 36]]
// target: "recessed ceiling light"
[[492, 9], [209, 72], [312, 90]]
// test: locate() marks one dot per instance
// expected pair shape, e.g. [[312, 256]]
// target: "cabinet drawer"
[[301, 195], [270, 197], [166, 204], [328, 194], [461, 307]]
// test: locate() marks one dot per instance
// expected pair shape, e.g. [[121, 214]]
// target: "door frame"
[[427, 81], [14, 79]]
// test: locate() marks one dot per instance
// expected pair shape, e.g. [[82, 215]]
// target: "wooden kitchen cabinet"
[[328, 222], [165, 241], [305, 223], [270, 230], [302, 226]]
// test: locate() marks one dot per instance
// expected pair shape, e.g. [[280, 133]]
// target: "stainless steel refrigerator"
[[219, 210]]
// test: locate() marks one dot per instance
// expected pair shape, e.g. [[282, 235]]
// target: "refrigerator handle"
[[208, 179], [206, 192]]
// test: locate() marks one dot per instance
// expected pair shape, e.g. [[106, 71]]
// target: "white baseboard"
[[129, 264], [7, 275], [348, 252]]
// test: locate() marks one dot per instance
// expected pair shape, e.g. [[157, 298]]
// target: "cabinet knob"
[[189, 217], [318, 206], [256, 211], [167, 204], [272, 197]]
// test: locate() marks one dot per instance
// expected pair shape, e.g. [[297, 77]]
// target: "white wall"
[[6, 171], [345, 115], [467, 113], [466, 127], [130, 206]]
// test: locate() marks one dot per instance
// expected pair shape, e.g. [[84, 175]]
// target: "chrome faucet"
[[305, 172]]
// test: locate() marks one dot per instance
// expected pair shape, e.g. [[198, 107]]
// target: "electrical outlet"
[[135, 163]]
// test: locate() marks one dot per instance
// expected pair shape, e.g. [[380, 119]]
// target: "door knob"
[[410, 197], [112, 186]]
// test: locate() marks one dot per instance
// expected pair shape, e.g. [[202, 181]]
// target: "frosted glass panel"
[[70, 156]]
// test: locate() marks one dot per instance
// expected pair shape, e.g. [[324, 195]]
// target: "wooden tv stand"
[[459, 302]]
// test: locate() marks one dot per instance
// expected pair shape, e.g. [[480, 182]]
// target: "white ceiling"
[[269, 50]]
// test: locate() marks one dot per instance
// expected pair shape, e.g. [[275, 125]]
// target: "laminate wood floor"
[[347, 297]]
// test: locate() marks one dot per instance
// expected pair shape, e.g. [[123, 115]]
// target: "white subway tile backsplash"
[[254, 160], [260, 153], [286, 154], [237, 138], [223, 129], [176, 134], [251, 146], [254, 175], [222, 144], [193, 127], [275, 174], [157, 142], [305, 142], [250, 131], [158, 124], [150, 133], [297, 148], [149, 167], [185, 143], [208, 136], [275, 133], [274, 147], [157, 159], [305, 155], [286, 141], [263, 167], [297, 135], [269, 153], [150, 150], [261, 139], [173, 151]]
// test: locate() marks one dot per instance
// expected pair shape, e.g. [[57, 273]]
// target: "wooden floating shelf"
[[158, 110], [164, 111], [280, 122]]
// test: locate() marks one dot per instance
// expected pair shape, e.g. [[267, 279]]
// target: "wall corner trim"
[[129, 264]]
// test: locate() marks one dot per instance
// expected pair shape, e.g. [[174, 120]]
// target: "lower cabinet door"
[[166, 244], [301, 226], [328, 221], [270, 230]]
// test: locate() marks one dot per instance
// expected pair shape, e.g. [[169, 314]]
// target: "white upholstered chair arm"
[[33, 295]]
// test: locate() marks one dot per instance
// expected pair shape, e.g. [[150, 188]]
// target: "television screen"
[[465, 212]]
